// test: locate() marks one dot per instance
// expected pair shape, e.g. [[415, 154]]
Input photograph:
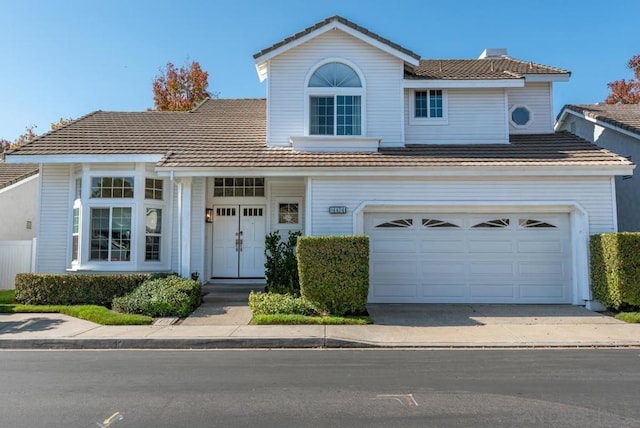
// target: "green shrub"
[[281, 266], [334, 272], [74, 289], [164, 297], [273, 303], [615, 269]]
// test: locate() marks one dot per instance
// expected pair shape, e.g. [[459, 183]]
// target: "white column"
[[184, 235]]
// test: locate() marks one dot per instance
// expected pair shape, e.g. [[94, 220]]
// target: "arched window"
[[335, 100]]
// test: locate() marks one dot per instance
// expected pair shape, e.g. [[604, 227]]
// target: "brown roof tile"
[[343, 21], [625, 116], [12, 173], [486, 68], [232, 134]]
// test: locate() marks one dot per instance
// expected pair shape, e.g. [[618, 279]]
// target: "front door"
[[238, 241]]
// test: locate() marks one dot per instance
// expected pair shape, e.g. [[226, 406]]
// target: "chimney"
[[494, 53]]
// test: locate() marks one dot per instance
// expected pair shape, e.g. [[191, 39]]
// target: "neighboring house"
[[18, 201], [452, 168], [615, 127]]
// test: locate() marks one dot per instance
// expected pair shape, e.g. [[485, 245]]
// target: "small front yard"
[[94, 313]]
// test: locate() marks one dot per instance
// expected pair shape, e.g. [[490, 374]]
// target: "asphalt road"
[[319, 388]]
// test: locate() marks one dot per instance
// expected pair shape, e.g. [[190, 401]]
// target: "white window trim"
[[531, 116], [323, 92], [413, 120], [138, 205], [289, 226]]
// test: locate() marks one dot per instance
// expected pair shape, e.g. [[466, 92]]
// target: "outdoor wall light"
[[208, 215]]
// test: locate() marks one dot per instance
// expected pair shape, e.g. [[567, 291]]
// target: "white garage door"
[[466, 258]]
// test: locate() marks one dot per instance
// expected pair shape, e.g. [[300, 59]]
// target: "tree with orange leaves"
[[180, 89], [626, 91]]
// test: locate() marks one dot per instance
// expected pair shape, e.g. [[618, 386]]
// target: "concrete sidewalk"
[[406, 326]]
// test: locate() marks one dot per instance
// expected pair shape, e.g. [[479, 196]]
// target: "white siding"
[[175, 228], [593, 194], [198, 231], [19, 204], [537, 97], [474, 116], [291, 190], [383, 76], [54, 219]]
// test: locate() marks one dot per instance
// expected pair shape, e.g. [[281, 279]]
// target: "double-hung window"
[[111, 223], [335, 101]]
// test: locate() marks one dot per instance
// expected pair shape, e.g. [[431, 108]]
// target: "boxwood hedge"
[[615, 269], [164, 297], [334, 272], [74, 289]]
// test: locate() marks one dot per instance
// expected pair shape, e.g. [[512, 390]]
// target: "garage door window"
[[497, 223], [530, 223], [403, 222], [432, 222]]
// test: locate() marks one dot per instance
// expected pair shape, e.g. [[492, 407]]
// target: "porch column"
[[184, 222]]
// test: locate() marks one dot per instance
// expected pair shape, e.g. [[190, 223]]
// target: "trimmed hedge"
[[334, 272], [615, 269], [273, 303], [74, 289], [165, 297]]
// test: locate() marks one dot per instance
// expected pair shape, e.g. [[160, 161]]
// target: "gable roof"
[[485, 68], [327, 22], [623, 116], [14, 173], [231, 133]]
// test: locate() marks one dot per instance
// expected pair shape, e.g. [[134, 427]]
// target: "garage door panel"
[[545, 268], [542, 290], [395, 291], [509, 258], [439, 246], [492, 290], [438, 268], [540, 246], [491, 246], [389, 245], [444, 290], [492, 268]]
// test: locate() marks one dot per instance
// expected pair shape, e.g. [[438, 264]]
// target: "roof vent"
[[494, 53]]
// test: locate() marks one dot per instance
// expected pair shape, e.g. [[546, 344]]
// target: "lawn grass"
[[292, 319], [633, 317], [93, 313]]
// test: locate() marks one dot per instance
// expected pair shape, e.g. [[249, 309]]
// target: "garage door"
[[466, 258]]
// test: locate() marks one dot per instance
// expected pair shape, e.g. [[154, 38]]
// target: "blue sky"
[[67, 58]]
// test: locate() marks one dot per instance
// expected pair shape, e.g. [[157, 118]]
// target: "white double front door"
[[238, 241]]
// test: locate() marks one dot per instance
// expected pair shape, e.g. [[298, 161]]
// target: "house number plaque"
[[338, 210]]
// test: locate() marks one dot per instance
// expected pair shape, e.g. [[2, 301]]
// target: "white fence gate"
[[15, 257]]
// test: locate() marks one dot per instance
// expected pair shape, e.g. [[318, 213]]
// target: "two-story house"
[[452, 168]]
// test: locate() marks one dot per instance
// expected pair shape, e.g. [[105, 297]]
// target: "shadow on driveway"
[[29, 325], [463, 315]]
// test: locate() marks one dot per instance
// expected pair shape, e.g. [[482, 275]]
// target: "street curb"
[[270, 343]]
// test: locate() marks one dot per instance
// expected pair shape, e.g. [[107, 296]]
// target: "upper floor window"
[[335, 101], [520, 116], [428, 107], [429, 103]]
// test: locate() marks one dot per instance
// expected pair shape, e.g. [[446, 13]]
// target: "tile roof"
[[624, 116], [225, 133], [11, 173], [343, 21], [486, 68]]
